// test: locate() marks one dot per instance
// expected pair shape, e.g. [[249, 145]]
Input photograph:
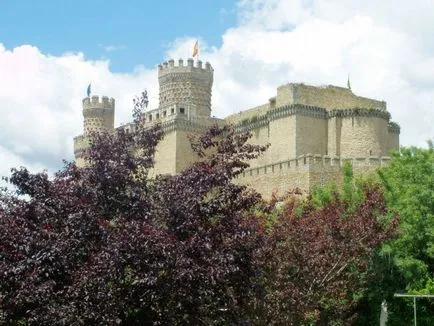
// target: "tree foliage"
[[106, 245], [317, 260], [409, 189]]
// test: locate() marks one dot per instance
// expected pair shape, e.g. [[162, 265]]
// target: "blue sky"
[[128, 32], [51, 50]]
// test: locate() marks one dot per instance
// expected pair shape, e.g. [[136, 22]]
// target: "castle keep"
[[312, 130]]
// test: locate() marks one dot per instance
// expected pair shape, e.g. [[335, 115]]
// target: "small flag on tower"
[[196, 49], [88, 91]]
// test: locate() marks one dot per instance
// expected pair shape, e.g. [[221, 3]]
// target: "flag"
[[348, 83], [88, 91], [196, 49]]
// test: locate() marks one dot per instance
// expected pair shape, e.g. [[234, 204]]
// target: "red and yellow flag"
[[196, 49]]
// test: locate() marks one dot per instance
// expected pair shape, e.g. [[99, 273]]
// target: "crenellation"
[[393, 127], [189, 84], [312, 130], [360, 112], [96, 102], [192, 66], [312, 167]]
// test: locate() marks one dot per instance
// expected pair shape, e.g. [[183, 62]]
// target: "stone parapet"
[[294, 109], [329, 97], [96, 102], [393, 127], [306, 110], [359, 112], [316, 160], [192, 125], [98, 114], [304, 172], [328, 120], [189, 84], [168, 67]]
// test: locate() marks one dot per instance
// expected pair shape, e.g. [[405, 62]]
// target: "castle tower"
[[99, 114], [189, 85]]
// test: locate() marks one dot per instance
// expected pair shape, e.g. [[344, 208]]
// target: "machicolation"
[[312, 130]]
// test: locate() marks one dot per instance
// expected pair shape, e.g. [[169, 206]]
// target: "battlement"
[[96, 102], [329, 97], [246, 121], [197, 68], [359, 112], [98, 114], [297, 119], [169, 66], [303, 172], [393, 127], [188, 84], [310, 161]]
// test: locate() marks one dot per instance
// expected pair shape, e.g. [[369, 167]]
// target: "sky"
[[51, 50]]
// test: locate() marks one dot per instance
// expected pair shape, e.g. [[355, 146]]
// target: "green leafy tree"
[[409, 189]]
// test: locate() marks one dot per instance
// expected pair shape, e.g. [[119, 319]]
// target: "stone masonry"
[[312, 130]]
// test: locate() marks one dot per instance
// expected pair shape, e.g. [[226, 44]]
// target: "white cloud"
[[321, 42], [386, 46], [40, 102], [112, 48]]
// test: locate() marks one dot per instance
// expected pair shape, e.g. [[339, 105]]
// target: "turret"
[[98, 114], [190, 84]]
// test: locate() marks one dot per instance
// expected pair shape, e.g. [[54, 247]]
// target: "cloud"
[[112, 48], [40, 102], [321, 42], [386, 47]]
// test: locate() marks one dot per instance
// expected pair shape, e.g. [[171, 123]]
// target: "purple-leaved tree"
[[107, 245]]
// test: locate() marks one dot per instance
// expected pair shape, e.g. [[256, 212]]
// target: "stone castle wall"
[[186, 84], [327, 97], [311, 134], [330, 122], [359, 135], [303, 173], [174, 152], [98, 114], [294, 130]]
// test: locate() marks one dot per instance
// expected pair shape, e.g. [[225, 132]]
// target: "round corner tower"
[[189, 84], [98, 114]]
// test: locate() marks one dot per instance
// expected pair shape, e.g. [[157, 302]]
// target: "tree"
[[105, 244], [409, 189], [316, 262]]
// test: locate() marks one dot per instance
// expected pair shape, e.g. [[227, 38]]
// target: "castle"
[[312, 130]]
